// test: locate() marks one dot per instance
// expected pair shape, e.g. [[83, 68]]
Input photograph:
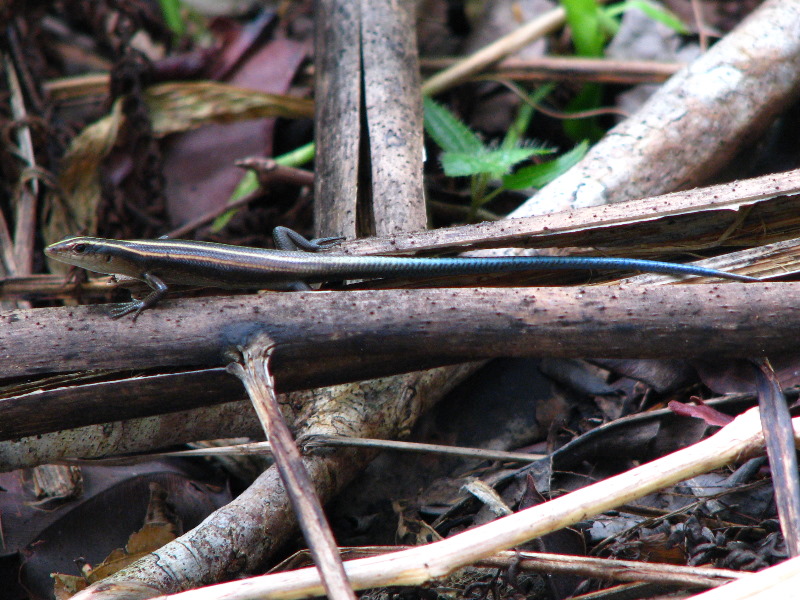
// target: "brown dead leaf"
[[176, 107], [173, 107], [155, 533]]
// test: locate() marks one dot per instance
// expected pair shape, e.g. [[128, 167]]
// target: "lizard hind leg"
[[289, 239]]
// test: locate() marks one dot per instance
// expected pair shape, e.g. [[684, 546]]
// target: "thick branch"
[[326, 336], [751, 211]]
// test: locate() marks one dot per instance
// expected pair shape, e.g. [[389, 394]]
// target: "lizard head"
[[92, 254]]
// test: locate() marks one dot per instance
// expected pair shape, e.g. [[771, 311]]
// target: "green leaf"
[[657, 13], [608, 24], [583, 17], [518, 127], [588, 99], [494, 162], [171, 11], [537, 176], [448, 131]]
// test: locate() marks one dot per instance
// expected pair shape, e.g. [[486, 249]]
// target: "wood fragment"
[[337, 82], [776, 423], [691, 220]]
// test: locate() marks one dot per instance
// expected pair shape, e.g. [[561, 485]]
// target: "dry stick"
[[516, 40], [366, 333], [209, 216], [132, 435], [338, 80], [393, 201], [25, 212], [267, 170], [735, 442], [702, 30], [255, 374], [777, 425], [612, 569], [570, 68], [46, 286], [780, 581]]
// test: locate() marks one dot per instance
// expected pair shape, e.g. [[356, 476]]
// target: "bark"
[[333, 335], [337, 82], [393, 111]]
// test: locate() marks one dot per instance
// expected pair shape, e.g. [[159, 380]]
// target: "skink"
[[162, 261]]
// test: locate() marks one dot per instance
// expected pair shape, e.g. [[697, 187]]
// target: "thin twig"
[[209, 216], [570, 68], [514, 41], [254, 372], [327, 441]]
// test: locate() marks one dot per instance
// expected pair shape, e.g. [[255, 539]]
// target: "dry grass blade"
[[27, 192], [176, 107]]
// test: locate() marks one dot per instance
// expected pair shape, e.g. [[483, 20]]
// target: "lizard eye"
[[79, 248]]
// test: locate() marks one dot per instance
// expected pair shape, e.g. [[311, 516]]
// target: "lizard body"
[[189, 262]]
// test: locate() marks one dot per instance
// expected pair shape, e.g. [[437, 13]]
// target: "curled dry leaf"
[[176, 107]]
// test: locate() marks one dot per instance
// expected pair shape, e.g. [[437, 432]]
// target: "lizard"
[[297, 262]]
